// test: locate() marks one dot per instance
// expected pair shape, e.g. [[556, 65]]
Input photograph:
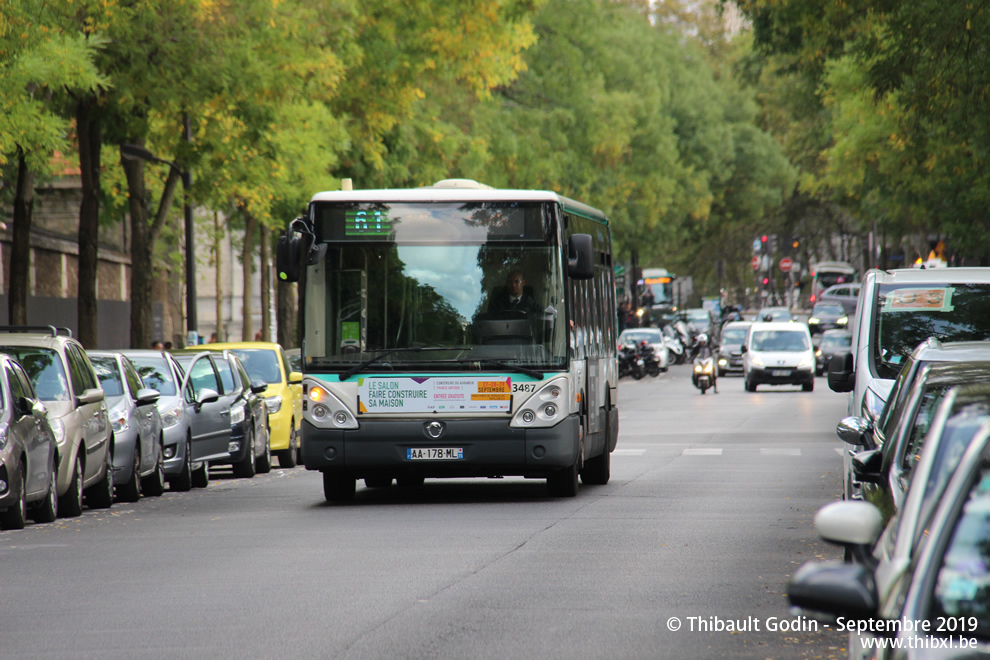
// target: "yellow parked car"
[[268, 362]]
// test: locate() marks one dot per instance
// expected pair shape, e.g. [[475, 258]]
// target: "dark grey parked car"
[[28, 451], [138, 457]]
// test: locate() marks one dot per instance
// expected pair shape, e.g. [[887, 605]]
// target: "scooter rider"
[[707, 351]]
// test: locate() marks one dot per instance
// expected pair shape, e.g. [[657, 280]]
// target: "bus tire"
[[338, 487], [563, 482]]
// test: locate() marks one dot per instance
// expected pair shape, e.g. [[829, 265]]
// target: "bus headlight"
[[324, 410], [543, 408]]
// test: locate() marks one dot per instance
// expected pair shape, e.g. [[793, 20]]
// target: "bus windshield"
[[495, 300]]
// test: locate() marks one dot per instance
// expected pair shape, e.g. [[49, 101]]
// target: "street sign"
[[755, 263], [786, 264]]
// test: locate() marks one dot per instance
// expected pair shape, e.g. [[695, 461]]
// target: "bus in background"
[[660, 283], [454, 331], [829, 273]]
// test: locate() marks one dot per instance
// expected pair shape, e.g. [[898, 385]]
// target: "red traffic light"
[[766, 281], [763, 239]]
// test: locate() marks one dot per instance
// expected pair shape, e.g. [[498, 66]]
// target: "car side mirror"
[[744, 349], [206, 395], [295, 378], [853, 430], [258, 386], [147, 396], [841, 375], [93, 395], [868, 466], [834, 589]]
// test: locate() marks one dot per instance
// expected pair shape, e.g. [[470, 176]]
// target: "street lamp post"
[[137, 152]]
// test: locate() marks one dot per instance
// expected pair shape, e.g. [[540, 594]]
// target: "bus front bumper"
[[489, 448]]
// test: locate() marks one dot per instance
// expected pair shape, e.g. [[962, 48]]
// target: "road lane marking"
[[628, 452], [779, 451], [701, 452]]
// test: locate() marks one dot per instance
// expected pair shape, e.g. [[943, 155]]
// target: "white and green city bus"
[[412, 366]]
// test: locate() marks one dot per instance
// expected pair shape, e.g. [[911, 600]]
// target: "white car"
[[779, 353], [653, 337]]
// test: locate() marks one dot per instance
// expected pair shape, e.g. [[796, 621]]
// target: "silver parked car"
[[64, 380], [137, 427], [28, 452], [160, 371]]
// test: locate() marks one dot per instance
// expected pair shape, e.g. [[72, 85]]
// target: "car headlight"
[[756, 361], [545, 408], [806, 363], [237, 415], [324, 410], [843, 321], [118, 420], [172, 416], [58, 430], [3, 438], [274, 404], [814, 321]]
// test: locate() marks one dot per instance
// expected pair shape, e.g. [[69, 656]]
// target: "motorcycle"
[[650, 361], [703, 377], [631, 363], [674, 346]]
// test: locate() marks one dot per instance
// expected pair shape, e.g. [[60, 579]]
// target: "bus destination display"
[[367, 223]]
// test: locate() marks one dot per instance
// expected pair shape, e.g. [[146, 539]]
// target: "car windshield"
[[650, 336], [45, 368], [260, 363], [828, 309], [156, 374], [837, 341], [779, 340], [734, 335], [109, 375], [961, 590], [911, 313]]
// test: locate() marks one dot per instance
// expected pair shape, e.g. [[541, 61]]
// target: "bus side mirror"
[[580, 257], [288, 259], [290, 249]]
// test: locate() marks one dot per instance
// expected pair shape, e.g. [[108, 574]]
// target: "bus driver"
[[514, 297]]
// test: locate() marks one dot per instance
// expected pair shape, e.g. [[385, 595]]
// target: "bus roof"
[[447, 191]]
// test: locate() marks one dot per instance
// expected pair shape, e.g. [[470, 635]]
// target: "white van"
[[778, 353], [896, 311]]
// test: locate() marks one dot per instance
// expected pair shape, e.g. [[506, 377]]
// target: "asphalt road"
[[707, 514]]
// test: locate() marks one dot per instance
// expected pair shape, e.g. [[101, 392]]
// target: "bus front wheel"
[[338, 487], [563, 482]]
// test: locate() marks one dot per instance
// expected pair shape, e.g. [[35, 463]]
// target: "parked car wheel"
[[287, 457], [70, 504], [808, 387], [47, 510], [154, 484], [182, 482], [263, 464], [131, 491], [201, 476], [100, 496], [16, 515], [245, 469]]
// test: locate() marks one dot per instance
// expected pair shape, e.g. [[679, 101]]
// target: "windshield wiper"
[[505, 365], [411, 349]]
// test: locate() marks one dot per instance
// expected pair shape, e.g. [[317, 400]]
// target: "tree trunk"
[[266, 289], [285, 318], [247, 259], [144, 235], [89, 131], [20, 248], [218, 265]]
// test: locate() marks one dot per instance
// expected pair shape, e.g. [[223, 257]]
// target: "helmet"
[[702, 340]]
